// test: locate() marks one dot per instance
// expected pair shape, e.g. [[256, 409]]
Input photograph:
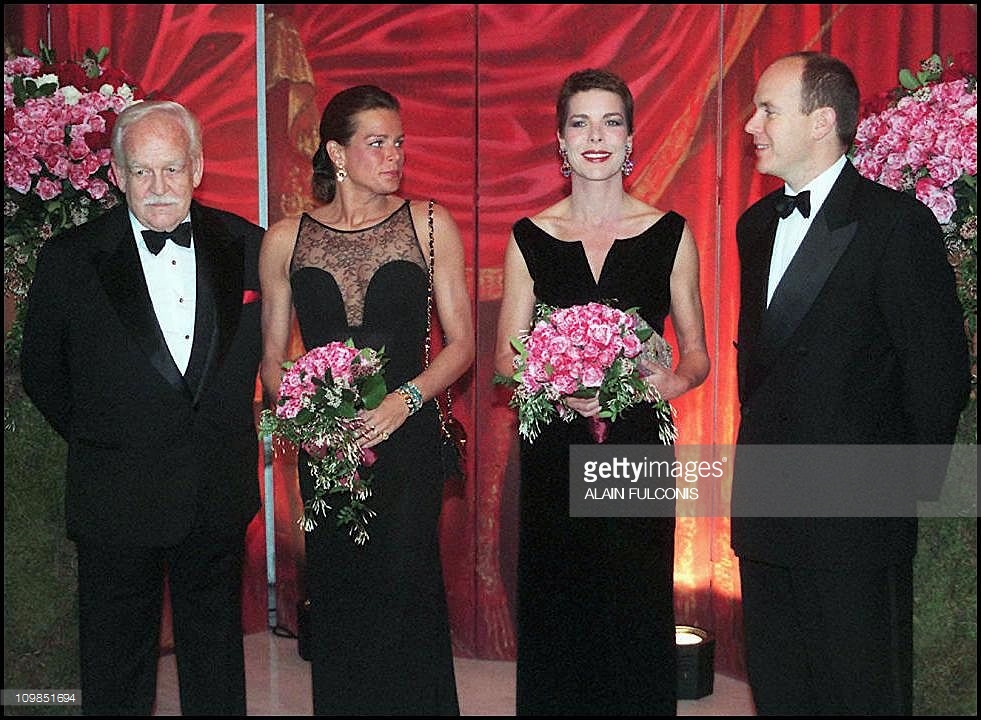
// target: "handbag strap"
[[443, 416]]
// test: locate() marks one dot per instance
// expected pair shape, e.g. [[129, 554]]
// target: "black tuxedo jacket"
[[150, 451], [863, 343]]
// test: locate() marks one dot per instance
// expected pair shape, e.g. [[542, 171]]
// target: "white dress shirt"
[[791, 230], [172, 281]]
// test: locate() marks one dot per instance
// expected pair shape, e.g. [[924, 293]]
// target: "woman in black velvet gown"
[[356, 267], [595, 628]]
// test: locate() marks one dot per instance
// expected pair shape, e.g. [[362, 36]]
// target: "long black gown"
[[380, 639], [595, 595]]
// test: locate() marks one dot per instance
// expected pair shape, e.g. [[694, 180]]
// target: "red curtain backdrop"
[[477, 83]]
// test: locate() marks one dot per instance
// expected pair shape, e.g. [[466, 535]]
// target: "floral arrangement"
[[922, 138], [57, 122], [585, 350], [317, 410]]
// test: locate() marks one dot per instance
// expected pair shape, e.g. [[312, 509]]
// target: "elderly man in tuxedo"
[[141, 348], [850, 333]]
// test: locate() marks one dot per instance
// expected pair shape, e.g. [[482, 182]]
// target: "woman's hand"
[[668, 383], [379, 424], [587, 407]]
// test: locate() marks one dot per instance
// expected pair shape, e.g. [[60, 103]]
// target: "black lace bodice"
[[369, 285]]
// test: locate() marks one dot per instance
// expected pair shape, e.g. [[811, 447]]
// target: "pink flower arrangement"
[[922, 138], [57, 121], [924, 142], [317, 410], [584, 350]]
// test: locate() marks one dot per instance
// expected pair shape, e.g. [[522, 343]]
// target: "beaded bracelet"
[[412, 396]]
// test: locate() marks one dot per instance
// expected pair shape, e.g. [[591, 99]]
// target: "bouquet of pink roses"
[[585, 350], [922, 138], [58, 118], [317, 410], [925, 141]]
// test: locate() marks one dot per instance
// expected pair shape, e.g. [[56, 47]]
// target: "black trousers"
[[829, 642], [120, 592]]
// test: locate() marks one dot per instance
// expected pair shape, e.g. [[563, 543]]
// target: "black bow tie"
[[785, 204], [155, 240]]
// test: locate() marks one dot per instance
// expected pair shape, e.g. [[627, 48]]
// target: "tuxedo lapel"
[[823, 245], [204, 326], [121, 275], [219, 296], [755, 237], [805, 276], [756, 274]]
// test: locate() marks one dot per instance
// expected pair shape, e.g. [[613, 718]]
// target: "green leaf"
[[44, 90], [14, 240], [373, 391], [267, 422], [907, 80], [20, 90], [345, 410], [45, 54]]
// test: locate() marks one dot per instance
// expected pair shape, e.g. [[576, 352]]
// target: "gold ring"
[[384, 436]]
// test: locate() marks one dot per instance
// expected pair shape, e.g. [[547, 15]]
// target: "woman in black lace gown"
[[356, 267], [595, 595]]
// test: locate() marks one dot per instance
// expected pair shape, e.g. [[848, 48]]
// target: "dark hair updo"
[[338, 123]]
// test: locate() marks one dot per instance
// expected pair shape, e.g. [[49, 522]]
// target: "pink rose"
[[565, 385], [939, 200], [631, 345], [592, 376], [602, 334], [47, 189]]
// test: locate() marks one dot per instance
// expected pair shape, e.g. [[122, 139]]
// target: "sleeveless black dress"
[[378, 616], [595, 595]]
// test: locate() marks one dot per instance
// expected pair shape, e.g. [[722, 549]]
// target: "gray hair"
[[138, 111]]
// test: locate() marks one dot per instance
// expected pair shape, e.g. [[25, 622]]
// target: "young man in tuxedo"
[[850, 333], [141, 348]]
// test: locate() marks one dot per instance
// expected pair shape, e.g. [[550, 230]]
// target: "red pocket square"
[[251, 296]]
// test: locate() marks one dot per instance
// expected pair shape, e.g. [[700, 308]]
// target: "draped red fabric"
[[477, 84]]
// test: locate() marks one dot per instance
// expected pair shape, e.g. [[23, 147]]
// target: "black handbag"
[[453, 448], [453, 435]]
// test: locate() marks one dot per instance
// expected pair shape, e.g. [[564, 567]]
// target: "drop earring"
[[565, 168], [341, 174], [628, 164]]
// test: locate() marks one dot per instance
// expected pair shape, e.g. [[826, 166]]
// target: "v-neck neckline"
[[598, 279]]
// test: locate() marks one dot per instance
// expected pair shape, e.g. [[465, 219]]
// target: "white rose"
[[71, 94]]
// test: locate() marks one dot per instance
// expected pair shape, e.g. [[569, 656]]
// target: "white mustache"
[[164, 200]]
